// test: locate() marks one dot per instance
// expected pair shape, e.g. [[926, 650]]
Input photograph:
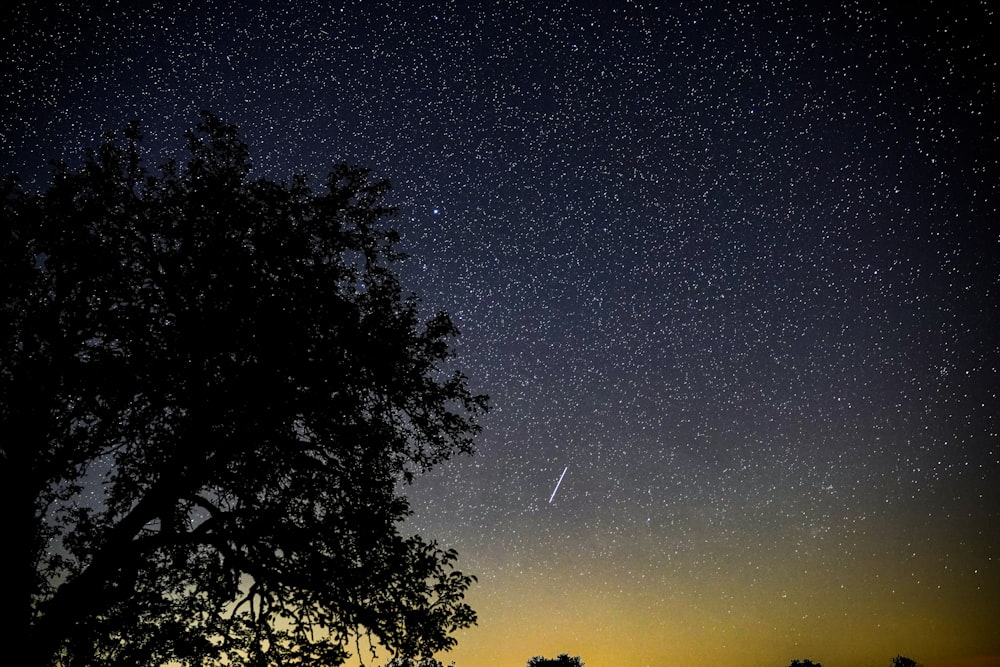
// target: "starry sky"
[[733, 266]]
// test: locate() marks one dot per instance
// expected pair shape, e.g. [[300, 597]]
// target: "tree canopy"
[[212, 392], [561, 660]]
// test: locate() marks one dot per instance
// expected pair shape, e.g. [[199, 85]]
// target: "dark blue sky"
[[734, 264]]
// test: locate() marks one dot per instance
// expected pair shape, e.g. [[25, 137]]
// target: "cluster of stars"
[[734, 264]]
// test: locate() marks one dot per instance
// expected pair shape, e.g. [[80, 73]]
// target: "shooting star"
[[558, 483]]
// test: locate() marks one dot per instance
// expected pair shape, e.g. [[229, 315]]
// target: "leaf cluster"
[[211, 389], [561, 660]]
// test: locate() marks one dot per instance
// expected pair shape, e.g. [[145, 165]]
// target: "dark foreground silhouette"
[[211, 389]]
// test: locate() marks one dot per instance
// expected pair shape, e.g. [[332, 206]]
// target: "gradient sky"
[[734, 265]]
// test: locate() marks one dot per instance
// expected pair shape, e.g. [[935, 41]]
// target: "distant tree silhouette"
[[410, 662], [561, 660], [804, 663], [903, 661], [210, 390]]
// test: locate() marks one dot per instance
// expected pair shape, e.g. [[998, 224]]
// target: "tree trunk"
[[18, 496]]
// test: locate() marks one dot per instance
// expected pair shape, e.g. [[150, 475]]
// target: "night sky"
[[734, 267]]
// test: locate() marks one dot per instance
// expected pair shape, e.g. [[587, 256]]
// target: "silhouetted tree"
[[411, 662], [804, 663], [561, 660], [903, 661], [210, 390]]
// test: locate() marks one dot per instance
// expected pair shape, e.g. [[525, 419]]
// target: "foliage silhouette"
[[411, 662], [804, 663], [210, 391], [561, 660], [903, 661]]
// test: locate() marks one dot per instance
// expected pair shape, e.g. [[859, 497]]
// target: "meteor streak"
[[558, 483]]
